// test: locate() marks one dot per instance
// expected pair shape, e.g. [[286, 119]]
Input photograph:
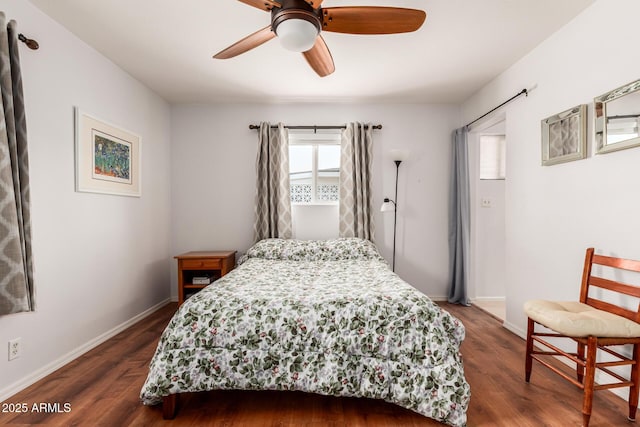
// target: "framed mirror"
[[617, 118], [564, 136]]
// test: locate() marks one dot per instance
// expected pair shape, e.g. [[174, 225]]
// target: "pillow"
[[352, 248], [314, 250]]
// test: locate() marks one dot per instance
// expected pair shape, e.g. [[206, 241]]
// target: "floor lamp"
[[392, 205]]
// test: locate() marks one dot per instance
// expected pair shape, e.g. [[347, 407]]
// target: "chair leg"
[[580, 368], [635, 379], [528, 360], [589, 380]]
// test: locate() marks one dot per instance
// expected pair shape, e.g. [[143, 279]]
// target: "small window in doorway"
[[492, 157]]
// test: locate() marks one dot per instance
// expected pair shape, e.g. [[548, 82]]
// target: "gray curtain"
[[17, 292], [273, 204], [356, 153], [459, 220]]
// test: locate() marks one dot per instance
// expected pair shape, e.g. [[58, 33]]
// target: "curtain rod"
[[314, 127], [31, 43], [522, 92]]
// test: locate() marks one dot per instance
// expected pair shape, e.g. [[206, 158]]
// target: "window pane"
[[300, 173], [492, 157], [328, 158], [300, 193], [300, 159], [328, 191], [328, 178]]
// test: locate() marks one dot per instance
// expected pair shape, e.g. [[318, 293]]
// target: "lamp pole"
[[395, 216], [385, 208]]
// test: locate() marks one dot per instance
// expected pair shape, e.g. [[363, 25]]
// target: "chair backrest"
[[589, 280]]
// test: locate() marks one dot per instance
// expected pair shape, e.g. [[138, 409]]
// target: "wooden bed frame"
[[170, 406]]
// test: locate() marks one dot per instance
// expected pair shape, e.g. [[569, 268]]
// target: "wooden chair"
[[593, 324]]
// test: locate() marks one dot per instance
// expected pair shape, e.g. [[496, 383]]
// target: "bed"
[[326, 317]]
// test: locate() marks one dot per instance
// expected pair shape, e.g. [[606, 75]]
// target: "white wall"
[[490, 239], [554, 213], [100, 260], [213, 178], [315, 222]]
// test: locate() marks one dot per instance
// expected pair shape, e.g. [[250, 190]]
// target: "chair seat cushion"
[[576, 319]]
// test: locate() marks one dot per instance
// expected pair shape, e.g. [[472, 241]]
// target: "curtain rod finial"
[[31, 43], [532, 88]]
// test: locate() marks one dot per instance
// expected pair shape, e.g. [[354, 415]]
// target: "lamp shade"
[[388, 206], [400, 155], [297, 35]]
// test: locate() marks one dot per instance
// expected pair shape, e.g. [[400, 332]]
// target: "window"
[[314, 168], [492, 157]]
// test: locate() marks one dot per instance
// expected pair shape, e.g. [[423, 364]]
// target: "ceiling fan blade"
[[320, 58], [247, 43], [266, 5], [314, 3], [371, 20]]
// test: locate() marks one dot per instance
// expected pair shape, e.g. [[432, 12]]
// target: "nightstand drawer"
[[201, 263]]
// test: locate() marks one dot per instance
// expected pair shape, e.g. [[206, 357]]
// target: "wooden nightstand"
[[204, 263]]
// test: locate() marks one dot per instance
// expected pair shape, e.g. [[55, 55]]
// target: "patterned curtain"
[[459, 220], [273, 204], [16, 269], [356, 213]]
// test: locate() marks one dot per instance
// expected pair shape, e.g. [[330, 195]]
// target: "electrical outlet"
[[485, 202], [15, 348]]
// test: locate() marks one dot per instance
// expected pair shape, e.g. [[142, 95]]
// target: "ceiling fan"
[[298, 24]]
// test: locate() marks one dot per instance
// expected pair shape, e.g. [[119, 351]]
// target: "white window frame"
[[315, 140]]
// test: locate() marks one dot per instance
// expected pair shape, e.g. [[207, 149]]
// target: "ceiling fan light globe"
[[297, 35]]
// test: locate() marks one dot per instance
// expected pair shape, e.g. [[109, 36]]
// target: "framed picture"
[[564, 136], [617, 118], [107, 157]]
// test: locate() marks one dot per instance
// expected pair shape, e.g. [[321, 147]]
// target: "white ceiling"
[[168, 45]]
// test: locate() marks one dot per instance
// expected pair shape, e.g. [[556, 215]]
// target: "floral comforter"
[[325, 317]]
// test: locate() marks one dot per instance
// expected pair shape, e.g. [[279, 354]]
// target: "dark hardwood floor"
[[102, 389]]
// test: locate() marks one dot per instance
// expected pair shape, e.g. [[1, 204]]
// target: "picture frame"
[[564, 136], [617, 119], [107, 157]]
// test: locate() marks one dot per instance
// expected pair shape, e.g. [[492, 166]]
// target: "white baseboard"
[[516, 330], [472, 300], [25, 382], [501, 299]]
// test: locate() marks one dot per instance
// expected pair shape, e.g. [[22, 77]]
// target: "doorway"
[[488, 178]]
